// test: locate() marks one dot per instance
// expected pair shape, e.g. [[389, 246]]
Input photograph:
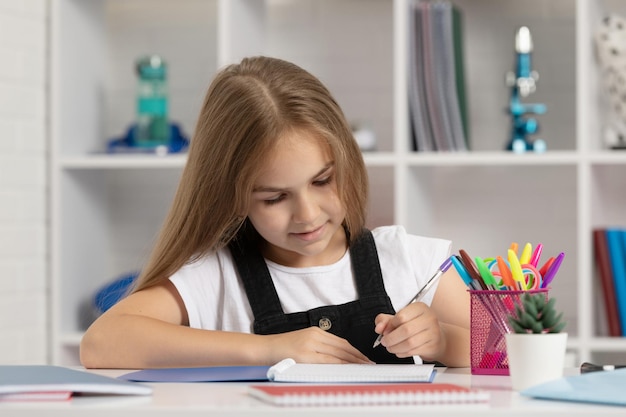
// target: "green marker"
[[486, 274]]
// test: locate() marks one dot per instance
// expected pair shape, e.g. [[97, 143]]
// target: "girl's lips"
[[312, 235]]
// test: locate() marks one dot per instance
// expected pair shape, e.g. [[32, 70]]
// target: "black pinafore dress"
[[353, 321]]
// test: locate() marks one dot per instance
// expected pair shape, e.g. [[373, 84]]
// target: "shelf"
[[607, 157], [485, 158], [117, 161], [108, 208], [609, 344], [493, 158]]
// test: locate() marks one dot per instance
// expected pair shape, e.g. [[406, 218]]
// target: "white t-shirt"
[[216, 300]]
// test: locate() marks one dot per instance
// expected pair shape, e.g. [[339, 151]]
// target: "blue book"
[[616, 240], [200, 374]]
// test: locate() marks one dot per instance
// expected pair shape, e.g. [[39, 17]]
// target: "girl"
[[264, 254]]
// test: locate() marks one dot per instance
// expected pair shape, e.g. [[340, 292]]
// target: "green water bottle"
[[152, 120]]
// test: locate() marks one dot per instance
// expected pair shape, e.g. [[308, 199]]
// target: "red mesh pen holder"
[[489, 313]]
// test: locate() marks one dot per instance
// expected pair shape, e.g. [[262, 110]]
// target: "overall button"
[[325, 323]]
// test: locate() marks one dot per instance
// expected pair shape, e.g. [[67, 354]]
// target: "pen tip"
[[377, 341]]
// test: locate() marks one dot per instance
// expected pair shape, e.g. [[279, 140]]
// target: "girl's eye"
[[324, 181], [275, 200]]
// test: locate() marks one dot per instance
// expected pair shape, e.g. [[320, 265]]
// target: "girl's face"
[[295, 206]]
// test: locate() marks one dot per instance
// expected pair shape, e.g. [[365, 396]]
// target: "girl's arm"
[[451, 304], [149, 329]]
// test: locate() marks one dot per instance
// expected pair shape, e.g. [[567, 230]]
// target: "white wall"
[[23, 187]]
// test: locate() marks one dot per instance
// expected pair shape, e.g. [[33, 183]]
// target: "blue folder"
[[39, 379], [602, 387], [203, 374]]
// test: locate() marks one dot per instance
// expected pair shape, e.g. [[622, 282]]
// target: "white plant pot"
[[535, 358]]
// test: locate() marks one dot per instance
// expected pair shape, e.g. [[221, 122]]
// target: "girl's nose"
[[306, 209]]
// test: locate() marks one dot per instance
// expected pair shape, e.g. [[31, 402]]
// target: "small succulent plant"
[[536, 314]]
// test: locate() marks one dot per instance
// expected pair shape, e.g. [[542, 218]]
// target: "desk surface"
[[231, 399]]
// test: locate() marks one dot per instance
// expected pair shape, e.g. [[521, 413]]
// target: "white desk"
[[230, 399]]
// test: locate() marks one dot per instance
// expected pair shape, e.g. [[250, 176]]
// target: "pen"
[[471, 269], [590, 367], [465, 276], [443, 268], [551, 273]]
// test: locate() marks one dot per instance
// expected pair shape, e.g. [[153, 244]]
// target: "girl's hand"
[[414, 330], [312, 345]]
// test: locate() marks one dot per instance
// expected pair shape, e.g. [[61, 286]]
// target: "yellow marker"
[[516, 269], [524, 258]]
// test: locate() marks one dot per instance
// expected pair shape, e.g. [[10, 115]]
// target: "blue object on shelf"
[[108, 295], [128, 143], [152, 127], [523, 83]]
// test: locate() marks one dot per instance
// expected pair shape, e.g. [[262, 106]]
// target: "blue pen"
[[465, 276], [551, 272]]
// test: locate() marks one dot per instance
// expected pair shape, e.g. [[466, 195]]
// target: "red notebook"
[[367, 394], [37, 396]]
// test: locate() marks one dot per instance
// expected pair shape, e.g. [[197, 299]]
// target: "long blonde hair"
[[247, 108]]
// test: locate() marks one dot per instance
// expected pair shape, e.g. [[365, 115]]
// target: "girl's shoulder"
[[213, 263], [396, 247], [393, 232], [397, 235]]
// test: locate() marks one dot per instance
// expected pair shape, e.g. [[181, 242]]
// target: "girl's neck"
[[335, 250]]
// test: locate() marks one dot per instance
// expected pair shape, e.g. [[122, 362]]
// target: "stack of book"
[[609, 246], [436, 82]]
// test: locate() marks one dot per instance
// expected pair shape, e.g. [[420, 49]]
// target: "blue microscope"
[[523, 83]]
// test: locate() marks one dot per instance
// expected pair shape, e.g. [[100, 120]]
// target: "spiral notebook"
[[288, 370], [366, 394]]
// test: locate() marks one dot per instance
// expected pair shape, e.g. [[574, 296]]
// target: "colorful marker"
[[516, 269], [524, 258], [458, 265], [486, 274], [471, 269], [534, 260], [505, 273], [554, 268], [544, 269]]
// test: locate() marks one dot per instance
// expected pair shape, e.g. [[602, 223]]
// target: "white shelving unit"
[[106, 209]]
